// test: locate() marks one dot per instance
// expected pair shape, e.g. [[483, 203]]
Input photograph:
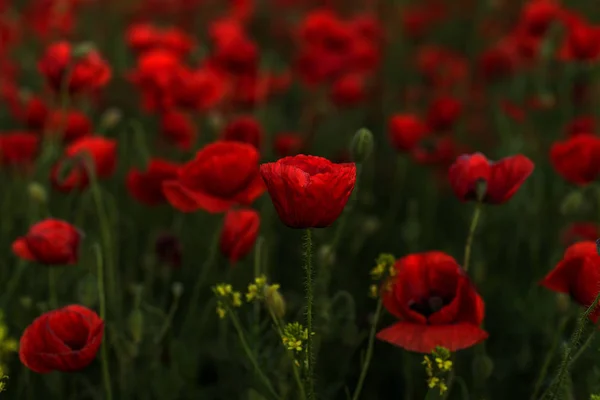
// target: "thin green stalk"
[[53, 296], [295, 369], [369, 355], [102, 301], [552, 393], [204, 273], [548, 359], [168, 320], [469, 244], [238, 327], [13, 283], [310, 373], [584, 346]]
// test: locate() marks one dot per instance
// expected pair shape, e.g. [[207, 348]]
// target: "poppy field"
[[299, 199]]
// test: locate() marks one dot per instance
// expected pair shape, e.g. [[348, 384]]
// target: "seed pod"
[[362, 145]]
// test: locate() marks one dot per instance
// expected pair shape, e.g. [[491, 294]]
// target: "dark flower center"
[[429, 306], [76, 344]]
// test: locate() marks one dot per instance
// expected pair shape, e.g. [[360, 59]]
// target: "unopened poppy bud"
[[37, 193], [275, 301], [563, 303], [87, 291], [572, 203], [483, 367], [177, 289], [362, 145], [110, 118], [135, 323], [83, 49]]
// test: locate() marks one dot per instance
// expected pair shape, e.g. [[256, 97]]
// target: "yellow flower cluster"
[[383, 271], [294, 336], [259, 290], [8, 346], [227, 297], [595, 397], [437, 365]]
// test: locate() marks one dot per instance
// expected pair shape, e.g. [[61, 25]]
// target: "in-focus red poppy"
[[221, 175], [577, 159], [87, 73], [50, 242], [502, 178], [146, 187], [65, 340], [406, 131], [580, 232], [240, 230], [308, 191], [101, 151], [245, 129], [18, 149], [436, 303], [577, 274]]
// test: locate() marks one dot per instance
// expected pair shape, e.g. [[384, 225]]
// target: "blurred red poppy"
[[102, 152], [50, 242], [436, 303], [244, 129], [577, 159], [580, 231], [406, 131], [65, 340], [443, 113], [502, 178], [221, 175], [68, 125], [18, 149], [146, 187], [287, 144], [86, 73], [308, 191], [584, 124], [577, 274], [178, 129], [240, 230]]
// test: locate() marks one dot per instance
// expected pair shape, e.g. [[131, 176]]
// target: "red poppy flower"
[[18, 149], [50, 242], [436, 303], [240, 230], [86, 73], [406, 131], [577, 159], [308, 191], [63, 340], [222, 174], [101, 151], [178, 129], [503, 178], [577, 274], [287, 144], [146, 187], [584, 124], [245, 129], [33, 113], [580, 231], [443, 113], [70, 125], [348, 90]]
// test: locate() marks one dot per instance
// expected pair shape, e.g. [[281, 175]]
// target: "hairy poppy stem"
[[310, 374], [238, 327], [469, 244], [549, 356], [369, 355], [557, 383], [102, 301]]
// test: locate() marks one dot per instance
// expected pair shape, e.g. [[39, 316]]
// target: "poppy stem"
[[102, 301], [250, 354], [369, 355], [557, 383], [548, 359], [469, 244], [310, 357], [204, 273]]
